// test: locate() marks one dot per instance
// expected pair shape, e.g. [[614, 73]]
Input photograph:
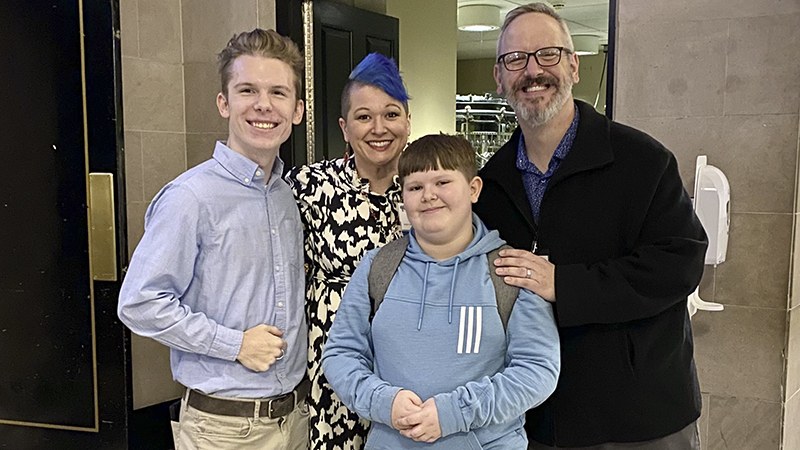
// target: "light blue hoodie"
[[438, 334]]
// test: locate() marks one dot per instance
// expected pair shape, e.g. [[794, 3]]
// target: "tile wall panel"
[[758, 154], [683, 63], [164, 159], [129, 27], [148, 353], [266, 14], [203, 82], [134, 182], [756, 271], [682, 10], [739, 352], [208, 25], [763, 74], [793, 352], [160, 30], [743, 424], [152, 95], [200, 146], [791, 426]]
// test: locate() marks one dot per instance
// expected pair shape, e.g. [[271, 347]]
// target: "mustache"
[[522, 83]]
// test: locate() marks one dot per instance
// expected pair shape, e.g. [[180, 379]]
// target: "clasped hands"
[[414, 418]]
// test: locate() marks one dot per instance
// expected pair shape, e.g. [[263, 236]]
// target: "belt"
[[273, 407]]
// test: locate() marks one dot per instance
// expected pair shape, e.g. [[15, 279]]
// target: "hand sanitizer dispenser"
[[712, 204]]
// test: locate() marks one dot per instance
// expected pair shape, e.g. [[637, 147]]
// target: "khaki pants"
[[686, 439], [200, 430]]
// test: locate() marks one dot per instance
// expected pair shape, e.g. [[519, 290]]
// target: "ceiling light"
[[586, 44], [479, 18]]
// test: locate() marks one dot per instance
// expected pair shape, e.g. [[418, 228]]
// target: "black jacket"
[[628, 250]]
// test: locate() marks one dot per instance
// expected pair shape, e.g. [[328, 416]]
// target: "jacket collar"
[[592, 146], [590, 150], [501, 169]]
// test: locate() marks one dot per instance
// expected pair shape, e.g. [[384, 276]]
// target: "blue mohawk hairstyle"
[[382, 72]]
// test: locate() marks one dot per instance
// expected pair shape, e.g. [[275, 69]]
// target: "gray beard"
[[536, 117]]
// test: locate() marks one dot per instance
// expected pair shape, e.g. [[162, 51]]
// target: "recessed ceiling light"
[[479, 18], [586, 44]]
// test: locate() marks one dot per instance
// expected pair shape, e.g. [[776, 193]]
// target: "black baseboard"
[[150, 428]]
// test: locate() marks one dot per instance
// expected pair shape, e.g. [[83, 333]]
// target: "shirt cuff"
[[450, 418], [382, 401], [227, 344]]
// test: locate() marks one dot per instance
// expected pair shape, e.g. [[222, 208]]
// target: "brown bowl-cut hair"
[[438, 151]]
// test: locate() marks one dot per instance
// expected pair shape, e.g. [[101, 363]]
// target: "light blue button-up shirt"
[[221, 253]]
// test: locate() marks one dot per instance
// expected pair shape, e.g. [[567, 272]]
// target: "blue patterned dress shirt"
[[533, 179]]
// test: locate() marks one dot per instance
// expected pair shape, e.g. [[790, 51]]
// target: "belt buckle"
[[282, 398]]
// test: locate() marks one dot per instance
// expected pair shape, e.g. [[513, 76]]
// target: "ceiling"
[[582, 16]]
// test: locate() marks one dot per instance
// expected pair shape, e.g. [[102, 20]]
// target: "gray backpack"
[[388, 258]]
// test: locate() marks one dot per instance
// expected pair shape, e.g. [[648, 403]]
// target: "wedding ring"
[[283, 353], [528, 275]]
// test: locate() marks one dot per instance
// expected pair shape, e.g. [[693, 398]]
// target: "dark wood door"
[[62, 383], [342, 37]]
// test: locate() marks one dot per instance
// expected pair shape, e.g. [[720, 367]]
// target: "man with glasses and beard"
[[604, 230]]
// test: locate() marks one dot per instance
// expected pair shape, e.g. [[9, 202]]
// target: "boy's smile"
[[439, 205]]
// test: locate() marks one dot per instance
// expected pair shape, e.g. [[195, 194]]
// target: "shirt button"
[[258, 173], [247, 180], [277, 268], [274, 231], [280, 304]]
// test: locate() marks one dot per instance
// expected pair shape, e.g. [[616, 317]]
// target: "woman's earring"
[[346, 151]]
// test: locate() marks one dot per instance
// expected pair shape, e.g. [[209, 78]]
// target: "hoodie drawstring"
[[424, 291], [452, 289]]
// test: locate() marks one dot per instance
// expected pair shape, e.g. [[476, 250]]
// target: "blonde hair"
[[265, 43]]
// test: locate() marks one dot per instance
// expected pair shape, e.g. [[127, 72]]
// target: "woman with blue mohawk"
[[349, 206]]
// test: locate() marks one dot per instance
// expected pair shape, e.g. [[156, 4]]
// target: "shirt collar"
[[525, 164], [243, 168], [362, 184]]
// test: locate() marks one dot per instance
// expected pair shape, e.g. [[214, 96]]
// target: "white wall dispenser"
[[712, 203]]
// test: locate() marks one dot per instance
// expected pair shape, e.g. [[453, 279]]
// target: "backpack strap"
[[505, 295], [381, 272]]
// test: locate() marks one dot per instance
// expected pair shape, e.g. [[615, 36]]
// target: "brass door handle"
[[102, 233]]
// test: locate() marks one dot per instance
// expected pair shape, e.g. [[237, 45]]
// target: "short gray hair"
[[541, 8]]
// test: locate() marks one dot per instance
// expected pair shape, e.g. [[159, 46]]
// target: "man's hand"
[[528, 271], [405, 403], [261, 347], [427, 427]]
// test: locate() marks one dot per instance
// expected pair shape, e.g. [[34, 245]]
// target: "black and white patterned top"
[[342, 220]]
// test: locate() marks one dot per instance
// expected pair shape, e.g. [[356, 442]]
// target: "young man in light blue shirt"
[[218, 275]]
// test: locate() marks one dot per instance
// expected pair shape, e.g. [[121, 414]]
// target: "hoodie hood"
[[483, 242]]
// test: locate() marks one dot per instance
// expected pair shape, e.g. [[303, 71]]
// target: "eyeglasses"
[[545, 57]]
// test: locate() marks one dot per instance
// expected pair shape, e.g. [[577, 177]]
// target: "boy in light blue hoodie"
[[435, 368]]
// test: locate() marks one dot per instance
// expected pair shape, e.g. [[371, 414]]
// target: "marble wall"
[[722, 78]]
